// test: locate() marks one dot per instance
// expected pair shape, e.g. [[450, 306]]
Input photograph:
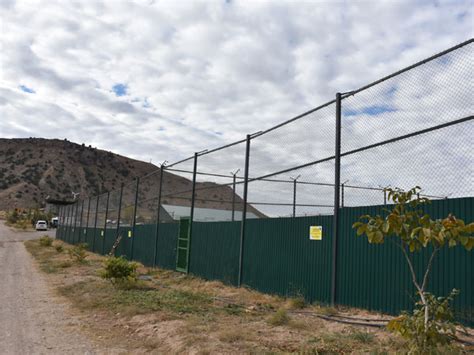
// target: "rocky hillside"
[[33, 169]]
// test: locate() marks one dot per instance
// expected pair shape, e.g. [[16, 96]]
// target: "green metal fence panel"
[[123, 248], [215, 251], [99, 240], [109, 240], [280, 258], [377, 277], [143, 244], [166, 248], [88, 237]]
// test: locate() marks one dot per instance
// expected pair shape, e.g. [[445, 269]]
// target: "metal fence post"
[[342, 195], [191, 217], [105, 222], [384, 197], [294, 198], [88, 212], [80, 222], [157, 230], [58, 228], [134, 218], [337, 184], [76, 213], [294, 194], [69, 223], [233, 196], [95, 222], [244, 211], [119, 215]]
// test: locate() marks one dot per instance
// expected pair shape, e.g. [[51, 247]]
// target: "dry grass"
[[180, 313]]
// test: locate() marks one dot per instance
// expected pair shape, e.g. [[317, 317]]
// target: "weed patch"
[[280, 317], [46, 241]]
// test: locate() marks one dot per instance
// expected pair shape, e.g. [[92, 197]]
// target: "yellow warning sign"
[[315, 232], [129, 234]]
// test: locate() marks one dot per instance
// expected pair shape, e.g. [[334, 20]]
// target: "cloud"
[[161, 80]]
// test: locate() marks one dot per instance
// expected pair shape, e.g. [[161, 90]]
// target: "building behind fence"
[[241, 213]]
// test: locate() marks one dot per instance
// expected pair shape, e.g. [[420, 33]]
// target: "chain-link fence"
[[411, 128]]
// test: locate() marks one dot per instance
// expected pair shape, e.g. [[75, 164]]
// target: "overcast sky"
[[157, 80], [162, 79]]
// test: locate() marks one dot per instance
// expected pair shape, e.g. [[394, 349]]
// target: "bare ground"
[[33, 320]]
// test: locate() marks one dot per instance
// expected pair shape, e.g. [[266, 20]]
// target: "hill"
[[33, 169]]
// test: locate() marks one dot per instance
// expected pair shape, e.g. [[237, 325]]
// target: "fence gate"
[[182, 254]]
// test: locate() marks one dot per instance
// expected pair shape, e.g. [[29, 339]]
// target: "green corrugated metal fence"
[[215, 251], [280, 258]]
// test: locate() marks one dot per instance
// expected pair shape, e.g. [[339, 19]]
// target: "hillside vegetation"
[[32, 169]]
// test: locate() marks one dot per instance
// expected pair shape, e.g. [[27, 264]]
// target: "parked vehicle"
[[54, 222], [41, 226]]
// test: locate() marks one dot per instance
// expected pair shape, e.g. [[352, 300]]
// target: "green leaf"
[[378, 237], [452, 243], [361, 230]]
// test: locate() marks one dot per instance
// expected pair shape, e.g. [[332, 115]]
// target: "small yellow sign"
[[315, 232], [129, 234]]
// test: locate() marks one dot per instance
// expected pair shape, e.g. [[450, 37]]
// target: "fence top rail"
[[401, 71]]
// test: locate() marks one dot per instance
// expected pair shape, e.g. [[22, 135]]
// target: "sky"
[[160, 80]]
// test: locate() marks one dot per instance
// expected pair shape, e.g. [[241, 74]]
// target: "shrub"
[[59, 248], [78, 252], [297, 302], [119, 271], [46, 241], [280, 317]]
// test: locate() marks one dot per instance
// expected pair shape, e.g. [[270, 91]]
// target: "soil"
[[33, 320]]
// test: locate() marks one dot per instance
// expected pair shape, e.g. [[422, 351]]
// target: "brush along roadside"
[[173, 312]]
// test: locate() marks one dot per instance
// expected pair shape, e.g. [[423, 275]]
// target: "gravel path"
[[32, 319]]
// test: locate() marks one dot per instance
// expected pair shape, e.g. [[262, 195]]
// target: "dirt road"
[[32, 319]]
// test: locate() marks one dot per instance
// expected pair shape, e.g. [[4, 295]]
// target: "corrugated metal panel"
[[215, 251], [144, 243], [166, 249], [280, 258], [377, 277]]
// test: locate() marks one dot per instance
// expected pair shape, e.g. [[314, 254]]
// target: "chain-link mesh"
[[128, 204], [300, 150], [102, 210], [177, 191], [411, 128], [113, 209], [438, 92], [219, 176], [92, 210], [147, 202]]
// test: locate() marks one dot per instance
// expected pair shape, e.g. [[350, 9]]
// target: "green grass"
[[102, 295], [278, 318]]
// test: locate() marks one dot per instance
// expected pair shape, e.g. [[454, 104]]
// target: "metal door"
[[182, 253]]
